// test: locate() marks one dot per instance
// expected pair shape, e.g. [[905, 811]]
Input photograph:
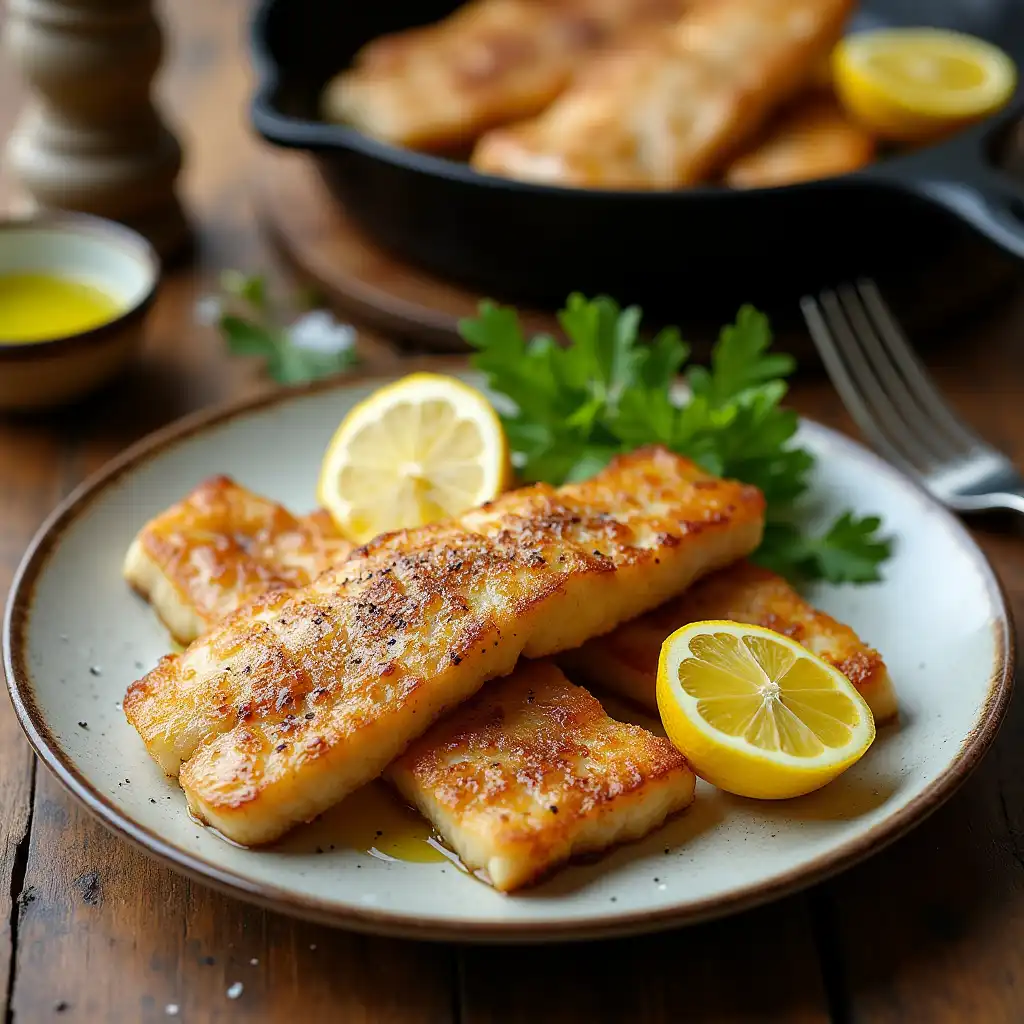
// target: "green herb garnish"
[[573, 407], [311, 346]]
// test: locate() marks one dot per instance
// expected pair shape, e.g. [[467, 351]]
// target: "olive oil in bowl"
[[43, 306]]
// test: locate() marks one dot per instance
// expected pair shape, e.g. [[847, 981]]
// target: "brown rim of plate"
[[118, 235], [46, 746]]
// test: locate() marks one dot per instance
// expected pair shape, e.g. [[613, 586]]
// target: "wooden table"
[[930, 930]]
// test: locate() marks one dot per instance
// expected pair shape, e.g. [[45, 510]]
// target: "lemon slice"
[[424, 448], [755, 713], [914, 84]]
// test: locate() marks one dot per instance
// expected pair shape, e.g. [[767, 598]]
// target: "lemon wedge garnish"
[[755, 713], [421, 449], [915, 84]]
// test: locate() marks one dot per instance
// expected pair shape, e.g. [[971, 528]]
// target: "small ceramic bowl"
[[39, 374]]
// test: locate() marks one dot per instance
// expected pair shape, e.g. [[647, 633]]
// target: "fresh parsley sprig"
[[574, 406], [253, 323]]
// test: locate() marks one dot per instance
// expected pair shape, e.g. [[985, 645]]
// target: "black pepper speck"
[[83, 725]]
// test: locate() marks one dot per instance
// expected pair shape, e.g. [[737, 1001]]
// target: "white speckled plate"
[[75, 637]]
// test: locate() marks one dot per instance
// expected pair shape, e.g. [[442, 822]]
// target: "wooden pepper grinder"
[[90, 138]]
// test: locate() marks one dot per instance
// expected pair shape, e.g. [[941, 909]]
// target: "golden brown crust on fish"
[[221, 547], [296, 700], [813, 139], [532, 771], [668, 109], [490, 62], [626, 661]]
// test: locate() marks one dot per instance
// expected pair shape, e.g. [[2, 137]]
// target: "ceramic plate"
[[76, 636]]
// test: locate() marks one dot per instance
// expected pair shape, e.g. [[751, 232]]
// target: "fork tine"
[[850, 392], [885, 410], [913, 371], [894, 395]]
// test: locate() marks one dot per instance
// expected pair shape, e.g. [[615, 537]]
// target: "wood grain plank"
[[29, 473], [759, 966], [110, 935]]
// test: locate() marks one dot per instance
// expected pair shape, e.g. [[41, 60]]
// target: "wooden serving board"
[[420, 311]]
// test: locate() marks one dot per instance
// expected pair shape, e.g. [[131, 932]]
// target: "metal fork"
[[897, 406]]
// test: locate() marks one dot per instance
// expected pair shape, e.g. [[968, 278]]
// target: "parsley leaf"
[[572, 407], [313, 346], [850, 551]]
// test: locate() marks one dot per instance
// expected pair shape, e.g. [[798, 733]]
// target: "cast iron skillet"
[[710, 246]]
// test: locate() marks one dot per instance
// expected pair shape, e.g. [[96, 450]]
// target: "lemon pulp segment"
[[421, 449], [756, 713]]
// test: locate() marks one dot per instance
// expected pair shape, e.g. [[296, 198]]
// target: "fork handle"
[[1001, 501], [959, 177]]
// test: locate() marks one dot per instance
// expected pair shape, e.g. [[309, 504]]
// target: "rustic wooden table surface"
[[932, 929]]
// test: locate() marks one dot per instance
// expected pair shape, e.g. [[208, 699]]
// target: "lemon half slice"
[[421, 449], [755, 713], [913, 84]]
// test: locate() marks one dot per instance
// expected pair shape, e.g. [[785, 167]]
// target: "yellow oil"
[[373, 821], [39, 307]]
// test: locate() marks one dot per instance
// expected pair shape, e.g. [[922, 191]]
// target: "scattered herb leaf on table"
[[312, 346]]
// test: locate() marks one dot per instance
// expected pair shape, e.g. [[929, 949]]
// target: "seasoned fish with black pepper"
[[220, 547], [531, 771], [302, 696], [626, 662]]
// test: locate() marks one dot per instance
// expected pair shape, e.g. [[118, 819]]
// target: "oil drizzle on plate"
[[374, 821]]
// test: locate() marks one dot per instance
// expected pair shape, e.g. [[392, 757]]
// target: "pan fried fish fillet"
[[813, 139], [302, 696], [533, 725], [668, 109], [221, 547], [490, 62], [531, 771], [626, 662]]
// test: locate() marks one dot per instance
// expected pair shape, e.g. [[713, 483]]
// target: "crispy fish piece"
[[626, 662], [221, 547], [668, 110], [533, 725], [813, 139], [531, 771], [302, 696], [490, 62]]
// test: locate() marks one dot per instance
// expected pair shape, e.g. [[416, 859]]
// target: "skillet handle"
[[960, 178]]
